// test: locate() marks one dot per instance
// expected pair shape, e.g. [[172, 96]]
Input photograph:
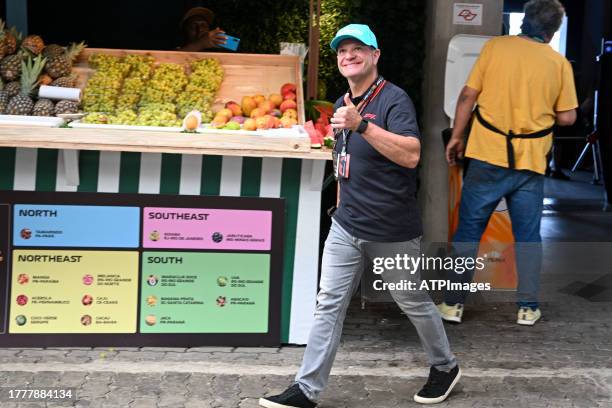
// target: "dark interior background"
[[262, 24]]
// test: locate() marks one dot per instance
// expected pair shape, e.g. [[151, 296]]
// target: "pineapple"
[[66, 106], [65, 81], [22, 104], [3, 41], [4, 99], [33, 43], [12, 88], [10, 67], [12, 38], [43, 107], [61, 65], [53, 50]]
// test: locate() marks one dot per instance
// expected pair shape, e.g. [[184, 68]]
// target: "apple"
[[288, 104], [288, 87], [290, 95]]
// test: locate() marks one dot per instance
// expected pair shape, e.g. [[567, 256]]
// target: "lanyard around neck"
[[369, 96]]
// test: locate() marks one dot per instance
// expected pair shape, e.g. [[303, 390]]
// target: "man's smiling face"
[[355, 59]]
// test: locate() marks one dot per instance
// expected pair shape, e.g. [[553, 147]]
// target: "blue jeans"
[[483, 187], [341, 270]]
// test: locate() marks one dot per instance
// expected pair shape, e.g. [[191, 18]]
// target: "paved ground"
[[564, 361]]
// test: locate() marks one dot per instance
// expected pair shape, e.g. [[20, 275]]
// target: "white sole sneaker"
[[524, 321], [269, 404], [451, 314], [437, 400], [452, 319]]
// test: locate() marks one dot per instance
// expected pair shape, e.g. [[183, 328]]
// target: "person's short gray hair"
[[542, 17]]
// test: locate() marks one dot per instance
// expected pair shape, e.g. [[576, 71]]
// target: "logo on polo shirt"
[[369, 116]]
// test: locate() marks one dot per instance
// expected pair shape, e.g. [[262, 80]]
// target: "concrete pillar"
[[433, 194]]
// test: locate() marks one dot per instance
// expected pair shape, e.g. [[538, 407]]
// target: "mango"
[[276, 99], [249, 124], [191, 122], [226, 112], [219, 121], [288, 122], [234, 107], [259, 99], [262, 123], [257, 112], [266, 106], [248, 104]]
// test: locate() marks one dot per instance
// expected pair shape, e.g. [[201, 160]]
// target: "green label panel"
[[188, 292]]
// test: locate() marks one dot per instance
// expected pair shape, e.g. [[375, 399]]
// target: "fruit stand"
[[211, 161]]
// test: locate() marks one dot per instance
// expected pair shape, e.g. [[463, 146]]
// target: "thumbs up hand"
[[346, 117]]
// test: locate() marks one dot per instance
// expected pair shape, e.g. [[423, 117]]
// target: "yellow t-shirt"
[[522, 84]]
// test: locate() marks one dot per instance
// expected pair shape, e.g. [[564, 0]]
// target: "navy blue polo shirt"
[[378, 200]]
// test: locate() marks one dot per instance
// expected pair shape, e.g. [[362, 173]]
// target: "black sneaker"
[[438, 386], [293, 397]]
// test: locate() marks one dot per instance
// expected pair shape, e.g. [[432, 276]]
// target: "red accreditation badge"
[[344, 164]]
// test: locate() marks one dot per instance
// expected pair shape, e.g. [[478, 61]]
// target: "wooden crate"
[[245, 74]]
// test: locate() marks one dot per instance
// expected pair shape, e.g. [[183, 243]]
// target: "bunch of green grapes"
[[204, 82], [159, 107], [207, 73], [95, 117], [141, 66], [134, 84], [194, 98], [153, 117], [132, 89], [166, 84], [109, 63], [103, 88], [101, 91], [123, 117], [159, 92], [171, 75]]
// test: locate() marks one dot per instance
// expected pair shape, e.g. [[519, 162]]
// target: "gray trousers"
[[342, 265]]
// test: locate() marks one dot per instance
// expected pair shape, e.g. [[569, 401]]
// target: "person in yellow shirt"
[[521, 87]]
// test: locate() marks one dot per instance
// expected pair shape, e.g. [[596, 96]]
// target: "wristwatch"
[[362, 126]]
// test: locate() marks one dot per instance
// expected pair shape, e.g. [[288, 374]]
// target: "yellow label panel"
[[63, 291]]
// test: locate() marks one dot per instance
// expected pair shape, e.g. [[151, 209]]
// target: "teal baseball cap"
[[360, 32]]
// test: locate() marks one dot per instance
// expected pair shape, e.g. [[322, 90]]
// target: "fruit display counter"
[[109, 160]]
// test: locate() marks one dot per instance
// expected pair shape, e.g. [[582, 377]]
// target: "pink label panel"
[[201, 228]]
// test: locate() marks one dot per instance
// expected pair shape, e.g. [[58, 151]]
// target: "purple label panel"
[[200, 228]]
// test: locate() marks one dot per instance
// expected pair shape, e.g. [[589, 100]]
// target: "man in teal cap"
[[376, 153]]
